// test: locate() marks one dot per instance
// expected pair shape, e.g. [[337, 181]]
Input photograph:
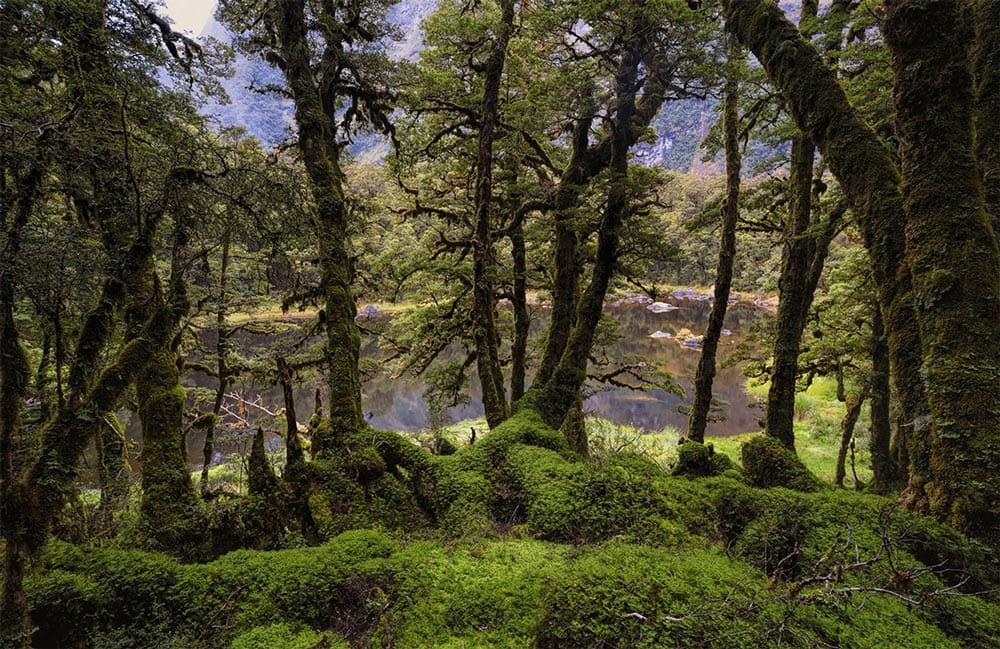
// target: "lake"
[[398, 404]]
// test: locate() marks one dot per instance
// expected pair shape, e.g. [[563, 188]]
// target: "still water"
[[399, 404]]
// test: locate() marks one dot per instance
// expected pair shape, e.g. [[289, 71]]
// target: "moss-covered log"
[[954, 258]]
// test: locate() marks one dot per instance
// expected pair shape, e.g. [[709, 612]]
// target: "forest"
[[373, 362]]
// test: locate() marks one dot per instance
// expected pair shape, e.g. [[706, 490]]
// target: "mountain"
[[680, 126]]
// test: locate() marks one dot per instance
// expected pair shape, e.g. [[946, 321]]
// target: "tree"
[[336, 75], [483, 298], [729, 213], [818, 105]]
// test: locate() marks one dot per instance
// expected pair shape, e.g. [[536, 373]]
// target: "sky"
[[190, 15]]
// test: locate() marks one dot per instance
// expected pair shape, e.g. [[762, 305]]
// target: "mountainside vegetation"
[[465, 194]]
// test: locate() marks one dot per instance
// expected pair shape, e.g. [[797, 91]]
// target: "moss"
[[171, 514], [482, 595], [285, 636], [767, 463], [65, 606], [371, 590], [634, 596], [697, 459]]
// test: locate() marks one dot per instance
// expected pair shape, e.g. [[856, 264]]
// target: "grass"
[[818, 416]]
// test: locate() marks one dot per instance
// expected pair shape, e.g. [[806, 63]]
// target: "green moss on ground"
[[516, 542]]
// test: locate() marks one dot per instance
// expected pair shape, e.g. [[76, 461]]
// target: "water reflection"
[[398, 404]]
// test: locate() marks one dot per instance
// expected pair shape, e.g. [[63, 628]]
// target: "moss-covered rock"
[[767, 463], [695, 459]]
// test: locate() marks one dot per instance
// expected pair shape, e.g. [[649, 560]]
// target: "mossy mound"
[[367, 589], [767, 463], [524, 544], [695, 459]]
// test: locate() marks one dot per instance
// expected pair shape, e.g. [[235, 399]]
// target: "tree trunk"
[[169, 510], [557, 396], [793, 301], [295, 474], [884, 466], [222, 336], [705, 374], [868, 176], [987, 80], [567, 256], [854, 403], [522, 321], [953, 254], [483, 263], [321, 153]]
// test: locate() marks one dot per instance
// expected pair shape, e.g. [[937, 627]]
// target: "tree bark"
[[522, 321], [222, 335], [705, 374], [793, 301], [567, 257], [557, 396], [952, 251], [483, 263], [854, 403], [321, 153], [884, 465], [986, 64]]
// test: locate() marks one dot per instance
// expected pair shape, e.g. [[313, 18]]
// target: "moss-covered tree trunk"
[[793, 300], [483, 262], [566, 264], [169, 510], [15, 624], [986, 62], [869, 179], [705, 374], [854, 404], [522, 321], [557, 396], [317, 140], [885, 467], [954, 258], [222, 342]]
